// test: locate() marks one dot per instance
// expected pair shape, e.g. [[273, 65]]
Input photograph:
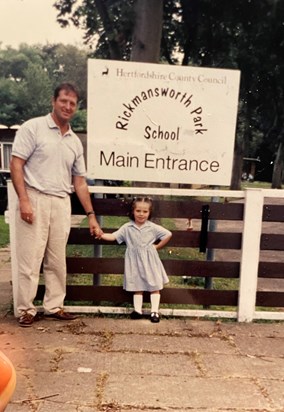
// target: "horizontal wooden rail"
[[273, 213], [271, 270], [173, 267], [271, 242], [190, 239], [116, 294], [270, 299], [165, 208]]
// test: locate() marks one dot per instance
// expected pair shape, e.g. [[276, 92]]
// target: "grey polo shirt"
[[51, 159]]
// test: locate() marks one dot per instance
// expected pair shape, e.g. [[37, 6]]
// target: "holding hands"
[[95, 228]]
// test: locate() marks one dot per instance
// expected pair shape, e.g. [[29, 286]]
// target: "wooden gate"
[[236, 295]]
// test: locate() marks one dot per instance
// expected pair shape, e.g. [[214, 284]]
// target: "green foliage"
[[8, 102], [107, 24], [67, 63], [34, 92], [79, 121], [28, 76]]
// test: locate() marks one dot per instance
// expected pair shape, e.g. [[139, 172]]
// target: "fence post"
[[98, 248], [210, 254], [250, 254], [12, 201]]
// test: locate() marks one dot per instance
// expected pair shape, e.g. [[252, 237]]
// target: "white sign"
[[161, 123]]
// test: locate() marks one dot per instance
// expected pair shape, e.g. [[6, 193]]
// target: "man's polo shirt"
[[51, 159]]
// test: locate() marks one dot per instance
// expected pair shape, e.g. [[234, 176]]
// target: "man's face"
[[65, 106]]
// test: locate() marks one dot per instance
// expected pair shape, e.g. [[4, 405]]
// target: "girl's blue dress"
[[143, 269]]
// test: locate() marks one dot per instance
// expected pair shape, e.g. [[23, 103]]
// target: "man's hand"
[[95, 229], [17, 174], [26, 210], [82, 191]]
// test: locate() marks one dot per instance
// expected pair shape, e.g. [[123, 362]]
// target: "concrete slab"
[[119, 365], [262, 347], [180, 393], [244, 366]]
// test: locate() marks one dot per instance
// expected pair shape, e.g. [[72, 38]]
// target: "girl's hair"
[[145, 199]]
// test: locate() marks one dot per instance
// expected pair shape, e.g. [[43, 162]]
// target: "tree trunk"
[[114, 49], [190, 15], [146, 42], [147, 34], [237, 166], [278, 168], [242, 140]]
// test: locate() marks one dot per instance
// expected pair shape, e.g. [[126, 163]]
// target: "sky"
[[33, 22]]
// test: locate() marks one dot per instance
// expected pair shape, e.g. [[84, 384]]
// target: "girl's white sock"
[[137, 303], [155, 302]]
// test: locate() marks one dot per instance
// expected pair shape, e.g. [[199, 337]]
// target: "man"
[[47, 159]]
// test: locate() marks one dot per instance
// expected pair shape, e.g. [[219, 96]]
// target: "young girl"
[[143, 269]]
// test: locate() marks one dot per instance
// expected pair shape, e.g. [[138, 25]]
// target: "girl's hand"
[[98, 233]]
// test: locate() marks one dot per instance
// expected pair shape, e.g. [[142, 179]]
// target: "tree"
[[79, 121], [220, 34], [108, 24], [34, 92], [67, 63], [28, 76], [8, 102], [20, 70]]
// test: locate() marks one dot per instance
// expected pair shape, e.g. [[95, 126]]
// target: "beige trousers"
[[43, 242]]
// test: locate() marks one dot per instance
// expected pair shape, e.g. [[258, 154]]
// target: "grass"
[[4, 232], [256, 185]]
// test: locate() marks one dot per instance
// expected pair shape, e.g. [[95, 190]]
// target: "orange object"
[[7, 381]]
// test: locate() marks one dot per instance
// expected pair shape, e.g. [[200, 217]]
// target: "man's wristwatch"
[[90, 213]]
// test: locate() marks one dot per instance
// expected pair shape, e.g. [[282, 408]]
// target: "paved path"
[[109, 364], [105, 364]]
